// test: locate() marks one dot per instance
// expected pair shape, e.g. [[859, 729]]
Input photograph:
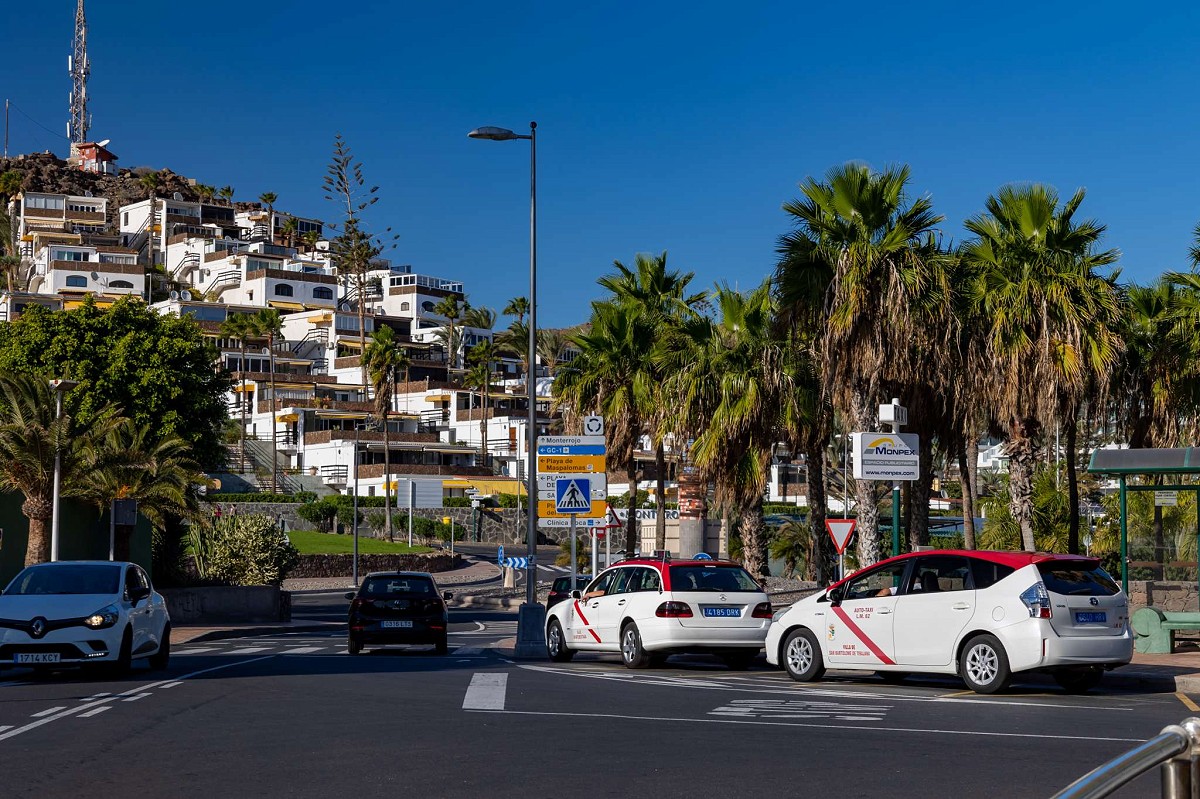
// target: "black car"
[[561, 588], [398, 608]]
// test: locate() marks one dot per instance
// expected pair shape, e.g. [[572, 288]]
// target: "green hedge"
[[260, 496], [457, 502]]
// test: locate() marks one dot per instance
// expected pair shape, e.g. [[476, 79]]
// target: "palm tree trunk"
[[820, 567], [38, 510], [483, 419], [869, 545], [754, 541], [387, 476], [660, 499], [632, 544], [242, 402], [274, 422], [362, 326], [968, 499], [919, 493], [1022, 454], [1072, 437]]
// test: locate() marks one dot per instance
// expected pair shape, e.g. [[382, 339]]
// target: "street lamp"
[[59, 387], [531, 617]]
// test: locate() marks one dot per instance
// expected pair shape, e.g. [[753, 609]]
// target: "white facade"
[[80, 269]]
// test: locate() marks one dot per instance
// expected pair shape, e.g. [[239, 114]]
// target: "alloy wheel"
[[799, 655], [982, 664], [629, 645]]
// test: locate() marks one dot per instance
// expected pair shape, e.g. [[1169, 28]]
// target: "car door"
[[582, 614], [609, 610], [934, 610], [139, 611], [157, 611], [858, 628]]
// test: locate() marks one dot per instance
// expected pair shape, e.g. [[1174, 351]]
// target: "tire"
[[801, 656], [556, 644], [740, 661], [353, 646], [632, 653], [983, 665], [892, 677], [1079, 681], [124, 662], [162, 658], [443, 646]]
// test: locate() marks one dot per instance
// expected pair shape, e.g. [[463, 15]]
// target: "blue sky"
[[663, 126]]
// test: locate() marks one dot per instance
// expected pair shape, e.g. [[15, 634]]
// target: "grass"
[[311, 542]]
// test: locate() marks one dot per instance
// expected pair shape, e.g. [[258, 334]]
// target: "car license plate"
[[36, 657], [721, 612], [1091, 618], [394, 624]]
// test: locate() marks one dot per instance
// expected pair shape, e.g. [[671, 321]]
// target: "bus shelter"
[[1165, 463]]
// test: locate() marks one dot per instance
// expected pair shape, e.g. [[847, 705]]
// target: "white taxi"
[[648, 609], [982, 615]]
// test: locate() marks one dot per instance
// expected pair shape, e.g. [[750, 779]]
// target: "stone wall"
[[343, 565], [221, 604], [1164, 595]]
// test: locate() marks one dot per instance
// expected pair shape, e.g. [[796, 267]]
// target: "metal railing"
[[1175, 750]]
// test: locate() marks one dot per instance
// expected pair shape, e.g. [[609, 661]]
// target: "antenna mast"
[[77, 128]]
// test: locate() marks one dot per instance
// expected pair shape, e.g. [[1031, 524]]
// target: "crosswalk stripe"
[[95, 712], [48, 711], [196, 651], [250, 650], [302, 650]]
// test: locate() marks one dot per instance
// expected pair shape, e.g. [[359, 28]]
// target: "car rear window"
[[67, 579], [1077, 579], [712, 578], [986, 573], [397, 586]]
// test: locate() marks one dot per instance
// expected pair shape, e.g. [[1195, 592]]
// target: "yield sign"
[[840, 531]]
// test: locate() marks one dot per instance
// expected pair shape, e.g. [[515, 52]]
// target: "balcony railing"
[[326, 436], [373, 470], [318, 403]]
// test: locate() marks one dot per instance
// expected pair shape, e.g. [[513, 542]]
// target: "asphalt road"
[[294, 716]]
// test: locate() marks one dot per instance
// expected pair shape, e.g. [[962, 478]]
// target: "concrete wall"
[[220, 604], [1164, 595]]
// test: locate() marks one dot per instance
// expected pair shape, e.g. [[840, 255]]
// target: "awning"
[[394, 446], [450, 449], [352, 343], [285, 306], [487, 486], [437, 397], [287, 417], [72, 304], [281, 384], [1180, 460], [330, 414]]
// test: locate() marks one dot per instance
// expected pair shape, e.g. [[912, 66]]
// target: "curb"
[[239, 632]]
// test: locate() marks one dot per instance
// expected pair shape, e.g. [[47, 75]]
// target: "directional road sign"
[[572, 495], [571, 479], [548, 484], [593, 425], [840, 531]]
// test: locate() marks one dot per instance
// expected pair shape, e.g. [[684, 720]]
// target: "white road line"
[[302, 650], [5, 727], [136, 697], [10, 732], [95, 712], [925, 731], [48, 711], [250, 650], [170, 684], [197, 651], [94, 697], [486, 691]]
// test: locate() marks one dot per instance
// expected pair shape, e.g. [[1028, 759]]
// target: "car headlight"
[[105, 617]]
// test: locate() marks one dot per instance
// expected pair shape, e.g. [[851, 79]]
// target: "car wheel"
[[1078, 681], [892, 677], [160, 659], [802, 658], [740, 661], [353, 646], [556, 644], [983, 665], [443, 646], [631, 648]]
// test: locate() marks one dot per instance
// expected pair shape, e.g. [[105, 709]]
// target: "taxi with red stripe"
[[650, 608], [982, 615]]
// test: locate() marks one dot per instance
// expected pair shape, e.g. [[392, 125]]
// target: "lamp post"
[[59, 387], [531, 618]]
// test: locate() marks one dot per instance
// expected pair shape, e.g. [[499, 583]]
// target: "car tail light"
[[1037, 600], [762, 611], [674, 610]]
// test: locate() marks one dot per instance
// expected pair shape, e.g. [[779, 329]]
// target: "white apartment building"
[[172, 218], [73, 270]]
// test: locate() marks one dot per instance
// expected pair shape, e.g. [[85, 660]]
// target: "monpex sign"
[[886, 456]]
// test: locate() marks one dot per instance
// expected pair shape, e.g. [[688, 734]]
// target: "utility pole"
[[77, 128]]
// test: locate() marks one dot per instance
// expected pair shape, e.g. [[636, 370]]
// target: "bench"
[[1154, 629]]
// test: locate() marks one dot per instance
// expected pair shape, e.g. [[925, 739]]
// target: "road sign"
[[581, 522], [566, 445], [572, 495], [1166, 499], [548, 483], [840, 531], [886, 456], [571, 464], [593, 425], [548, 508]]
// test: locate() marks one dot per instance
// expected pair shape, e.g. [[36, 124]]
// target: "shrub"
[[346, 515], [248, 550], [257, 496], [510, 500], [456, 502], [378, 519], [320, 513]]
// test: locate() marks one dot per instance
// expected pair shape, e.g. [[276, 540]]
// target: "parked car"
[[982, 615], [648, 609], [71, 613], [398, 608], [561, 588]]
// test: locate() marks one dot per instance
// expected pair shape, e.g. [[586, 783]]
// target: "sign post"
[[572, 495], [840, 531], [891, 456]]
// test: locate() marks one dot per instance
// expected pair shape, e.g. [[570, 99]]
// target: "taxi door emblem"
[[832, 631]]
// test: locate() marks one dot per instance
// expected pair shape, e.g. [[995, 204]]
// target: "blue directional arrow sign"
[[573, 495]]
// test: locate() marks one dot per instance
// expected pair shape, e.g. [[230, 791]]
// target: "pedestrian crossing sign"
[[573, 495]]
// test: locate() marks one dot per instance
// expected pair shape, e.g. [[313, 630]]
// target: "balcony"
[[292, 274], [373, 470], [347, 362], [327, 436], [318, 403], [335, 475], [85, 216], [44, 213]]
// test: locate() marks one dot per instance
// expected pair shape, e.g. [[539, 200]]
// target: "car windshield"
[[100, 578], [1077, 578], [397, 586], [712, 578]]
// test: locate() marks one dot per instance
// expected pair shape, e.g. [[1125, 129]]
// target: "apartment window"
[[127, 260], [283, 290], [125, 219], [90, 209], [404, 306], [120, 284], [322, 293], [427, 306], [69, 255], [254, 264], [76, 281], [51, 203]]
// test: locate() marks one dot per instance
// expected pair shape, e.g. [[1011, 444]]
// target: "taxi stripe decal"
[[587, 623], [858, 633]]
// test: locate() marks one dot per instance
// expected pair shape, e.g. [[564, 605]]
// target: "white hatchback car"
[[81, 612], [648, 609], [981, 615]]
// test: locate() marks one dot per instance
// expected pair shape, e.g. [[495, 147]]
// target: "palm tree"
[[450, 308], [793, 545], [550, 345], [479, 317], [518, 307], [268, 199], [310, 239], [613, 376], [857, 233], [226, 194], [132, 463], [204, 192], [269, 326], [1050, 318], [515, 342], [288, 229], [382, 358], [241, 327], [31, 433], [480, 376]]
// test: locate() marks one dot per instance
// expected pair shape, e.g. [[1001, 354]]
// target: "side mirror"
[[576, 594], [447, 595], [835, 596], [136, 595], [349, 595]]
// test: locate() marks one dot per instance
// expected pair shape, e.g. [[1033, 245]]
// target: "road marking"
[[785, 709], [48, 711], [95, 712], [486, 691], [197, 651], [94, 697], [136, 697], [1187, 702], [6, 727], [250, 650], [302, 650], [170, 684], [757, 722], [956, 693], [10, 732]]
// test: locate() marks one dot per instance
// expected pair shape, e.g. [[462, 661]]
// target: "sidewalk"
[[1178, 671]]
